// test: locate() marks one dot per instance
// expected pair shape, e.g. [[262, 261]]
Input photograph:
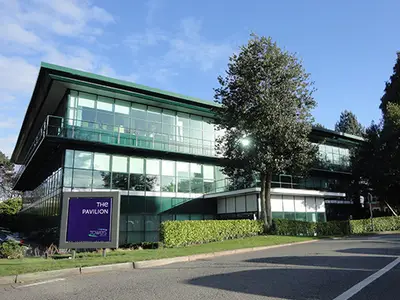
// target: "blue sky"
[[349, 47]]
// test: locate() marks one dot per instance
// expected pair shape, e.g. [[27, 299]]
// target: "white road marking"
[[362, 284], [41, 282]]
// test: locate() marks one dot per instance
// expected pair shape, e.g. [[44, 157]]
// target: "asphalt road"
[[327, 269]]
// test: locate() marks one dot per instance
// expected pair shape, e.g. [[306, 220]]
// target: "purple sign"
[[89, 219]]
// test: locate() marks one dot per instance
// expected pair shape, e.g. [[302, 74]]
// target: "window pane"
[[182, 123], [69, 158], [182, 169], [138, 111], [168, 117], [86, 100], [122, 107], [152, 183], [196, 185], [101, 179], [120, 181], [105, 118], [105, 103], [288, 204], [67, 177], [137, 182], [120, 164], [83, 160], [208, 172], [101, 162], [168, 184], [183, 185], [195, 171], [154, 114], [153, 166], [82, 178], [136, 165], [196, 122], [168, 168]]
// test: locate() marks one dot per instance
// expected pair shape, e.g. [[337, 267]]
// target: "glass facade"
[[115, 121], [137, 175], [333, 158], [45, 199], [301, 208]]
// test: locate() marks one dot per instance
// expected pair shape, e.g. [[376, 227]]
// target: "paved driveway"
[[327, 269]]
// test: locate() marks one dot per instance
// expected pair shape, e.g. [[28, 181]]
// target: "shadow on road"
[[391, 251], [342, 262], [284, 283]]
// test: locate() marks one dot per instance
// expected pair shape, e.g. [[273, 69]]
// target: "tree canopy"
[[266, 99], [6, 178], [348, 123], [377, 161]]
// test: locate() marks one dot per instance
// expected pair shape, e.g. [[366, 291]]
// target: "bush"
[[11, 249], [183, 233], [380, 224], [292, 227]]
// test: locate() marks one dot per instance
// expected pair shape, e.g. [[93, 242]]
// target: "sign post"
[[90, 220]]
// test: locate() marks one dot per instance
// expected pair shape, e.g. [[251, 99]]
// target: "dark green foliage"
[[380, 224], [266, 99], [348, 123], [392, 88], [6, 178], [292, 227], [11, 250], [11, 206], [183, 233]]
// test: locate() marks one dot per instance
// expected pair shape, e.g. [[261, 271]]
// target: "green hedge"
[[292, 227], [183, 233], [380, 224]]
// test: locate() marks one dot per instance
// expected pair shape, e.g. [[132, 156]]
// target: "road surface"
[[356, 268]]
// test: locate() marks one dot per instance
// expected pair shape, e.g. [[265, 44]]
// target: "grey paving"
[[321, 270]]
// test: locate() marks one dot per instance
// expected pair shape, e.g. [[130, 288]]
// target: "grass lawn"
[[29, 265]]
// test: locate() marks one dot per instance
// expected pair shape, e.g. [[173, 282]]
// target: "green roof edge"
[[126, 83]]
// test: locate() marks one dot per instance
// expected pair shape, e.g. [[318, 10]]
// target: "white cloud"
[[16, 75]]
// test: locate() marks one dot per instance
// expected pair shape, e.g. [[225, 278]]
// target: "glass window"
[[105, 103], [69, 158], [152, 183], [208, 172], [168, 117], [67, 177], [137, 182], [168, 184], [154, 114], [195, 171], [196, 185], [182, 169], [82, 178], [288, 204], [101, 179], [168, 168], [153, 166], [136, 165], [86, 100], [138, 111], [120, 181], [72, 97], [183, 185], [83, 160], [101, 162], [120, 164], [182, 123], [196, 122], [122, 107]]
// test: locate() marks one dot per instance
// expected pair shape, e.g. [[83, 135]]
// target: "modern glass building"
[[85, 132]]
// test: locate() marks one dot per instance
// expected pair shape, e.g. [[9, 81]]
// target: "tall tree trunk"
[[265, 199]]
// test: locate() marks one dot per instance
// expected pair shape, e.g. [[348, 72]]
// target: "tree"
[[348, 123], [6, 178], [11, 206], [392, 88], [266, 101], [319, 125]]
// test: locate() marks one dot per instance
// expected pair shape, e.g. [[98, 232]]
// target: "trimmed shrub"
[[380, 224], [292, 227], [183, 233], [11, 249]]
